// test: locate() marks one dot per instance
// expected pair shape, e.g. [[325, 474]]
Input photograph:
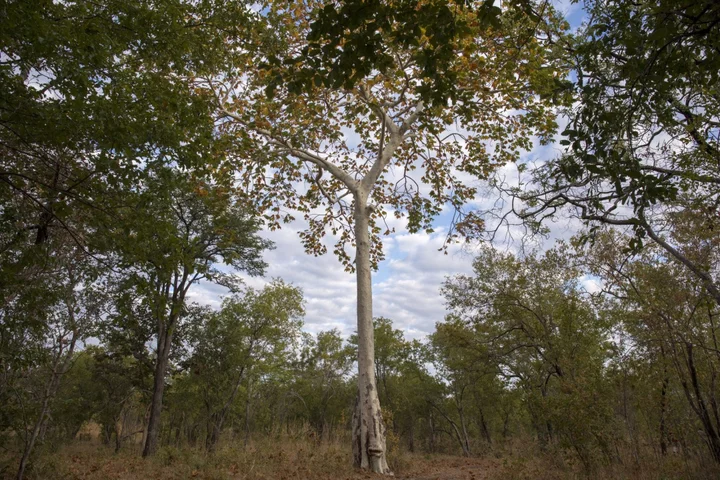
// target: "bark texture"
[[369, 449], [161, 364]]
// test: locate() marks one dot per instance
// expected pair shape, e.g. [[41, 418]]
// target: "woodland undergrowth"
[[290, 458]]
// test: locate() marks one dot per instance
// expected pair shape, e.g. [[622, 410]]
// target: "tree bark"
[[369, 449], [663, 403], [432, 433], [484, 428], [30, 444], [700, 407], [247, 415], [161, 363], [466, 437], [506, 423], [58, 370]]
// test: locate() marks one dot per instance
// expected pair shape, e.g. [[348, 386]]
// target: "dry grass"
[[290, 459], [280, 460]]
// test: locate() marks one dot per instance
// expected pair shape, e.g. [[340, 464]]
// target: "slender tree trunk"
[[369, 451], [456, 430], [700, 407], [247, 414], [432, 432], [30, 443], [506, 423], [180, 428], [153, 429], [118, 440], [411, 436], [663, 403], [548, 424], [192, 434], [484, 428], [145, 422], [466, 437], [213, 433], [107, 433], [44, 427], [58, 370]]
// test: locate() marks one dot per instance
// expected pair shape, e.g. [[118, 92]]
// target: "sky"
[[406, 287]]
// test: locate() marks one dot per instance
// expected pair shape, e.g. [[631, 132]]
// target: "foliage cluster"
[[144, 145]]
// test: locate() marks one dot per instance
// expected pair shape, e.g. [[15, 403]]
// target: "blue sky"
[[406, 288]]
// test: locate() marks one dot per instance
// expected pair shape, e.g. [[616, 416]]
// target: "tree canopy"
[[147, 149]]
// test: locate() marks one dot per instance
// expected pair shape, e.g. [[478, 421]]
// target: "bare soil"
[[455, 469]]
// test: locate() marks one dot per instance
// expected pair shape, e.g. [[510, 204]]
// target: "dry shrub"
[[266, 459], [524, 459], [290, 458]]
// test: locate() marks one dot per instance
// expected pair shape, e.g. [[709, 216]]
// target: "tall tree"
[[294, 153], [41, 327], [174, 232], [93, 94]]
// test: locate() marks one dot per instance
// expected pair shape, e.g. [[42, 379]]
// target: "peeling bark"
[[369, 449]]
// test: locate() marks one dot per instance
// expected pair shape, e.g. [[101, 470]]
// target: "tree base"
[[369, 449]]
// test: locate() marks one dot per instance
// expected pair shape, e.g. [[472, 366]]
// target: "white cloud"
[[406, 288], [591, 284]]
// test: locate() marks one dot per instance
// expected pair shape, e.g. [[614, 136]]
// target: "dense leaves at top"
[[348, 40], [91, 93], [314, 149], [643, 143], [644, 135], [116, 118], [658, 75]]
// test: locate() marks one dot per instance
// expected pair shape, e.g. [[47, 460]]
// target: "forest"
[[565, 153]]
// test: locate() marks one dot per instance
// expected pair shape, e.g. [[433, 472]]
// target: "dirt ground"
[[455, 469], [302, 460], [286, 462]]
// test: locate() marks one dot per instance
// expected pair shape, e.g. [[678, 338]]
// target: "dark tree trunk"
[[411, 436], [161, 364], [465, 436], [663, 427], [700, 407], [484, 428], [432, 433], [212, 436]]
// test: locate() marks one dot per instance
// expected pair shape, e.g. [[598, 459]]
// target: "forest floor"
[[305, 460], [451, 468]]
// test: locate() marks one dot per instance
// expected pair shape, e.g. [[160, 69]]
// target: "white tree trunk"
[[368, 429]]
